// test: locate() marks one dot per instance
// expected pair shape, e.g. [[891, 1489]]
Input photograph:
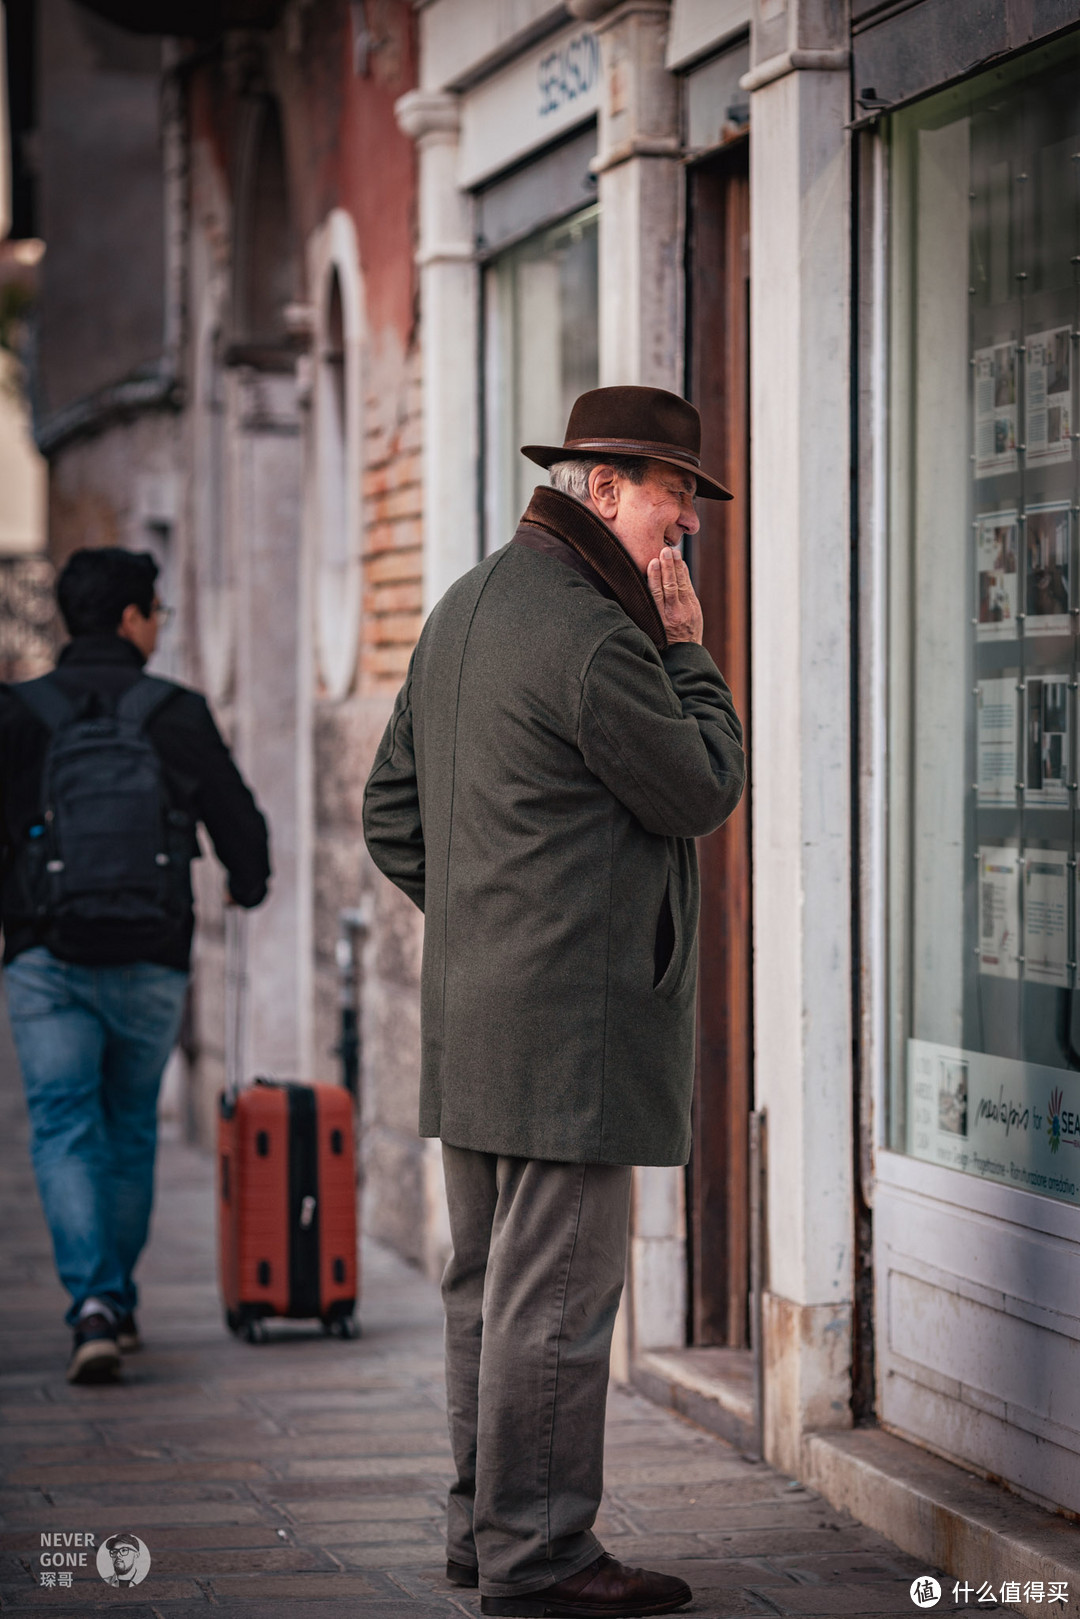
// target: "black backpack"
[[107, 868]]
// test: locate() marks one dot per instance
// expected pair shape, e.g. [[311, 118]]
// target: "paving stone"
[[295, 1587], [109, 1517], [365, 1467], [840, 1598], [325, 1511], [312, 1489], [390, 1554], [374, 1531], [127, 1472]]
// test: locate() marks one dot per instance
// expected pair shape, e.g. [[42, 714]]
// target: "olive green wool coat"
[[537, 792]]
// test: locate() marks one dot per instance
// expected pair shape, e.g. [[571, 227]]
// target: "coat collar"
[[99, 649], [573, 523]]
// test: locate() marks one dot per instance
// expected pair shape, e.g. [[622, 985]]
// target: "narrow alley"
[[307, 1475]]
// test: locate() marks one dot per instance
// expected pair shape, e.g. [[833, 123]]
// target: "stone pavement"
[[306, 1476]]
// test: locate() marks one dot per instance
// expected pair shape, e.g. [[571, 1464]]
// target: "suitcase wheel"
[[341, 1326], [255, 1332], [233, 1320]]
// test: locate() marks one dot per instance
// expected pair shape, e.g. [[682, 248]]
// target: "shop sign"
[[1013, 1122], [544, 94]]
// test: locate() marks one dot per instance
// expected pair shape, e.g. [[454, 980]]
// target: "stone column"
[[449, 296], [640, 187], [800, 408], [268, 463]]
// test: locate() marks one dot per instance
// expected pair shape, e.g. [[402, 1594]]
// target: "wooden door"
[[718, 384]]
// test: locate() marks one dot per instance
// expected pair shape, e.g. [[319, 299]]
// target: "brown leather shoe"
[[606, 1587]]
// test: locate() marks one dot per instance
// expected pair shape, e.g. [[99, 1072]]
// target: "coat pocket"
[[672, 947]]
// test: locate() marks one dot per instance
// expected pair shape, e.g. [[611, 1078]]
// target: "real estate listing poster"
[[1048, 586], [1046, 916], [995, 741], [999, 912], [1046, 733], [995, 410], [997, 596], [1048, 379]]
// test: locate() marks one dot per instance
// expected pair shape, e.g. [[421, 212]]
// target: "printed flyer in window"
[[1048, 584], [997, 595], [1048, 377], [1012, 1122], [995, 410]]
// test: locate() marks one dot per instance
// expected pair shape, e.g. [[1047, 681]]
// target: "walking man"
[[561, 739], [105, 774]]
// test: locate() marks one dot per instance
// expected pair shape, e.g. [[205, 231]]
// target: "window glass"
[[984, 619], [540, 333]]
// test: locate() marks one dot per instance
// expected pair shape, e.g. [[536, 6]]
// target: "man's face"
[[123, 1557], [647, 516]]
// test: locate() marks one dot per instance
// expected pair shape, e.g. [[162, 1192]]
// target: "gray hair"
[[571, 477]]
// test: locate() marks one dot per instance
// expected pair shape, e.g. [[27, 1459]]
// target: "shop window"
[[541, 320], [984, 626], [338, 455]]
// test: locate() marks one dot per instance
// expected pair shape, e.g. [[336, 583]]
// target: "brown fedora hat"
[[645, 422]]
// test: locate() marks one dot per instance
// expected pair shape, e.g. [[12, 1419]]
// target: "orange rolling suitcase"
[[286, 1190]]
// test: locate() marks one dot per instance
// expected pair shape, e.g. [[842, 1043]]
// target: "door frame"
[[718, 383]]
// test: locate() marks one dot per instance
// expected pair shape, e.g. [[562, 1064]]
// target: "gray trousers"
[[531, 1291]]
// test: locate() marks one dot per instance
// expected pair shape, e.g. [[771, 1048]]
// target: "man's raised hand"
[[673, 593]]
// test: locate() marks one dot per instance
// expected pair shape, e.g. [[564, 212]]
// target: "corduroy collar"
[[571, 521]]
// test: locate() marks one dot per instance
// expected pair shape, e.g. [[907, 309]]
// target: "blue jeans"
[[92, 1045]]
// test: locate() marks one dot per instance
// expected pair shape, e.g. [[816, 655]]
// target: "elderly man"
[[561, 739]]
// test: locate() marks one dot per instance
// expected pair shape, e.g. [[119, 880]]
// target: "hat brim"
[[545, 455]]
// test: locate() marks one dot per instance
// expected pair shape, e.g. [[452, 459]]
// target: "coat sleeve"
[[660, 730], [393, 830], [226, 806]]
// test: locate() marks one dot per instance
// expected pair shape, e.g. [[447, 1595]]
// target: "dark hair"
[[97, 584]]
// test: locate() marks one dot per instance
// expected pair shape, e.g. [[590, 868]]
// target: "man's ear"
[[129, 619], [604, 491]]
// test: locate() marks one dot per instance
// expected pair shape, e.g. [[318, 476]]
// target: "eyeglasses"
[[163, 614]]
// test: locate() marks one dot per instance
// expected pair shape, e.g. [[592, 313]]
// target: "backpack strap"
[[45, 699], [143, 698]]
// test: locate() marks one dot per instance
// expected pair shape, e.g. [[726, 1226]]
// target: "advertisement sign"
[[1012, 1122], [995, 410]]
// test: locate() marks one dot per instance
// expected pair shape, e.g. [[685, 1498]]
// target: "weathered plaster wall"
[[343, 151]]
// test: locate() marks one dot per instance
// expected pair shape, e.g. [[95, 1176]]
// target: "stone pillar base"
[[807, 1350]]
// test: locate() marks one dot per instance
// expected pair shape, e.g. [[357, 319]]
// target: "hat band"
[[633, 446]]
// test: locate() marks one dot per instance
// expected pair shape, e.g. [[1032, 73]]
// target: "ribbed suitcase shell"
[[287, 1205]]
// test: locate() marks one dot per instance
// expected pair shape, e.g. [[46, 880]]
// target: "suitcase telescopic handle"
[[235, 998]]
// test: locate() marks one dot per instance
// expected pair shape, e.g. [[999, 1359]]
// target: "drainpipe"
[[758, 1271]]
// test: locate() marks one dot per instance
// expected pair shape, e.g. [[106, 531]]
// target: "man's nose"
[[689, 521]]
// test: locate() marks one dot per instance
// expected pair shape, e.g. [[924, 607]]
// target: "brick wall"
[[393, 536]]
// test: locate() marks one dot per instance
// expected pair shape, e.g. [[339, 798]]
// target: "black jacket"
[[200, 778]]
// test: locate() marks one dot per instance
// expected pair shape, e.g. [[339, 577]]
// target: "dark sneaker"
[[127, 1334], [95, 1357], [605, 1587], [462, 1573]]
